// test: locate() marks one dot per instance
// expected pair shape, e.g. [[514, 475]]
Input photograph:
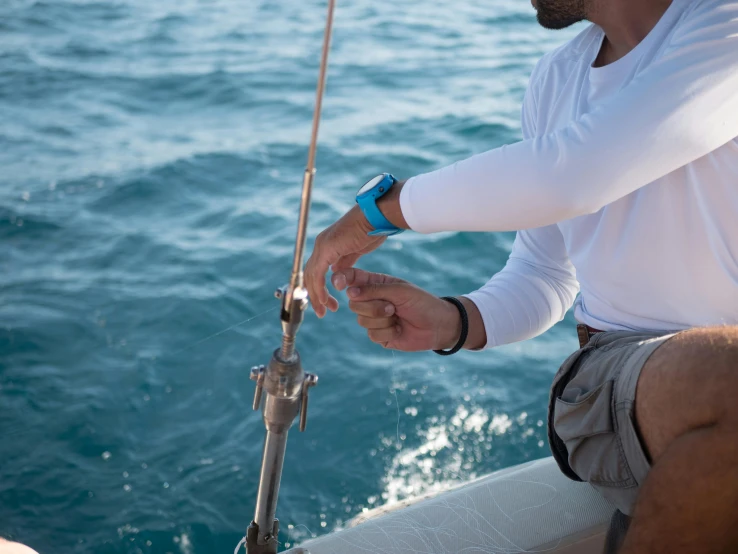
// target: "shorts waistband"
[[585, 333]]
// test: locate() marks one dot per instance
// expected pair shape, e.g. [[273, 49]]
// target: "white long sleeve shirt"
[[626, 185]]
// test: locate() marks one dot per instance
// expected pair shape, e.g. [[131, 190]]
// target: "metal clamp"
[[262, 543], [257, 374], [294, 299], [310, 381]]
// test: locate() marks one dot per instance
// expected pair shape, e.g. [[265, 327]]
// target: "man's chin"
[[555, 24]]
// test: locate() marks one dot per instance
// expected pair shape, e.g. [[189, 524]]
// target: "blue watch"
[[367, 198]]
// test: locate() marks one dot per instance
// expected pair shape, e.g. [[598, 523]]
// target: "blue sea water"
[[151, 156]]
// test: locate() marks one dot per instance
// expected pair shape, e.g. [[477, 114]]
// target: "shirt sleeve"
[[532, 292], [537, 285], [680, 108]]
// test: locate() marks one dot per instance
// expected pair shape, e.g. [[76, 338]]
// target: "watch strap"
[[375, 217]]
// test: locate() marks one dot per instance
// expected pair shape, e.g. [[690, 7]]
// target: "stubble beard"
[[560, 14]]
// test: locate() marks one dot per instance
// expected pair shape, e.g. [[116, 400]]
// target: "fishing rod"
[[283, 382]]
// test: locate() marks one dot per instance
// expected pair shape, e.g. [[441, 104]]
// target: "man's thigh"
[[690, 382], [593, 430]]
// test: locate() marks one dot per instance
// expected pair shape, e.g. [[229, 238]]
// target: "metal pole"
[[275, 445], [291, 321], [307, 183], [283, 380]]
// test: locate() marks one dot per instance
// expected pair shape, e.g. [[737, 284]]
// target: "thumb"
[[352, 277]]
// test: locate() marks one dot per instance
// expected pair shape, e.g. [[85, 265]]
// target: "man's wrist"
[[361, 220], [450, 330], [389, 205]]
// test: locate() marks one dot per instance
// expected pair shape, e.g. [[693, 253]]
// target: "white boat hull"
[[526, 508]]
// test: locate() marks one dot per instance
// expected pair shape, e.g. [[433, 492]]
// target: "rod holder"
[[281, 393], [256, 543], [282, 386]]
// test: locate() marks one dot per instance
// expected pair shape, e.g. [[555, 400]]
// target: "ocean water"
[[151, 156]]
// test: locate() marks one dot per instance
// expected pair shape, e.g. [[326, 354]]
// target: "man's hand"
[[343, 243], [339, 246], [397, 314]]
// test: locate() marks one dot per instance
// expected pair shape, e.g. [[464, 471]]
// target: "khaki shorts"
[[591, 422]]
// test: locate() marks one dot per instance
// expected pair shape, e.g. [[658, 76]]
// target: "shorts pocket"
[[583, 420]]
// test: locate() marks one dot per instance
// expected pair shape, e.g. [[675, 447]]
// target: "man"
[[626, 188]]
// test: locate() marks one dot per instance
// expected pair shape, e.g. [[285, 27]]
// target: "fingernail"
[[353, 292], [339, 281], [389, 309]]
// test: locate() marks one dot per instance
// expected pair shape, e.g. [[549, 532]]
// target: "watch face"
[[371, 184]]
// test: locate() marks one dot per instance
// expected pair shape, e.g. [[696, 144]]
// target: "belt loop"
[[583, 334]]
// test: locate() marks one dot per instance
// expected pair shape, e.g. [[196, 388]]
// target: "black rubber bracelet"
[[464, 327]]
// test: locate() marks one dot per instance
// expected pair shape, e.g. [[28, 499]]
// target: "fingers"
[[315, 272], [373, 308], [381, 324], [385, 336], [396, 293], [357, 277], [345, 262], [375, 322], [377, 317], [331, 303]]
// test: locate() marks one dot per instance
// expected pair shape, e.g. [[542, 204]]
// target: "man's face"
[[558, 14]]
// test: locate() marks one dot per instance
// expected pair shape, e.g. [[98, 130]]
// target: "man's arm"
[[533, 291], [538, 284], [682, 107], [530, 295]]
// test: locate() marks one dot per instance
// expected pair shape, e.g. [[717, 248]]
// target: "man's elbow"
[[570, 202]]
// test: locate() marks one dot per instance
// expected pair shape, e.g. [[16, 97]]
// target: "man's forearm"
[[451, 330]]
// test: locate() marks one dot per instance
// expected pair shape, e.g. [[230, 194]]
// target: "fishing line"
[[289, 532], [156, 358], [397, 402], [223, 331]]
